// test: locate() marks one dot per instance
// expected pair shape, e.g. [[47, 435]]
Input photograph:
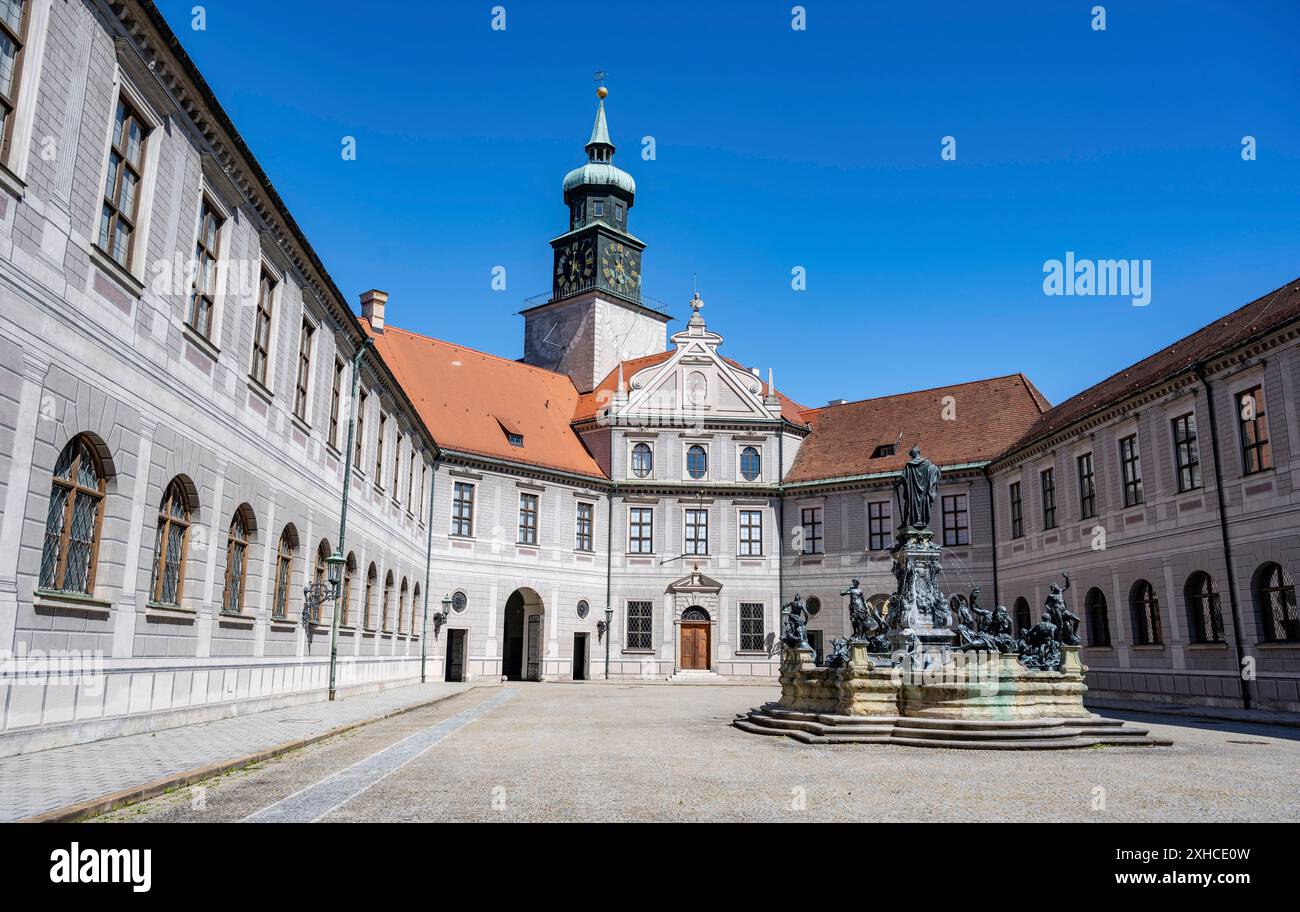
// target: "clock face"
[[621, 267], [575, 265]]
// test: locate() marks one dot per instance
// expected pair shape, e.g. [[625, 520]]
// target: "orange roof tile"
[[469, 400], [990, 415]]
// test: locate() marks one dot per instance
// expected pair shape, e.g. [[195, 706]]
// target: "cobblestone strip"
[[314, 802]]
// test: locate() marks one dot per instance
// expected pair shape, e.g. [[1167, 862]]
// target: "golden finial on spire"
[[602, 92]]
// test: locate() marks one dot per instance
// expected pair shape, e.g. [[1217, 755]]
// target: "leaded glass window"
[[1146, 614], [284, 554], [751, 626], [232, 600], [170, 546], [72, 523], [1098, 618], [1275, 601], [1203, 606], [640, 621]]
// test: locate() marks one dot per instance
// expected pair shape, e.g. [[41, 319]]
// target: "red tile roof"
[[469, 400], [990, 415], [1260, 316]]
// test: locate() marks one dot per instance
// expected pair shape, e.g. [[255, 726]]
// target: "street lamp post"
[[609, 621], [337, 568]]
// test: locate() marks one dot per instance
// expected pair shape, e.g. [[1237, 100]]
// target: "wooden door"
[[695, 646]]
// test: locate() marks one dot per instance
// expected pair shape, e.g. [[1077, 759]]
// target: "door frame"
[[461, 636], [580, 671]]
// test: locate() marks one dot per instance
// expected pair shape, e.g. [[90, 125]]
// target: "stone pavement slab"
[[45, 781]]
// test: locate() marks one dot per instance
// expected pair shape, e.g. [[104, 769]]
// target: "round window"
[[583, 609], [814, 605], [459, 601]]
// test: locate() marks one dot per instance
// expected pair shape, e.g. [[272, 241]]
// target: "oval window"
[[751, 464]]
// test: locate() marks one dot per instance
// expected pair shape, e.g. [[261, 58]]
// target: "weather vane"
[[600, 76]]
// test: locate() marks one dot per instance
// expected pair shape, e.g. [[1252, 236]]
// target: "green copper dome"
[[600, 174]]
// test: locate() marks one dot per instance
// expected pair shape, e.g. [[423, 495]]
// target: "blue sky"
[[779, 148]]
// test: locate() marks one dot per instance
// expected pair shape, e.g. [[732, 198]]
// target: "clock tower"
[[595, 315]]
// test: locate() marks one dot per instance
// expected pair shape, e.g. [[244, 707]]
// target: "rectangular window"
[[203, 293], [336, 403], [1047, 483], [1087, 487], [697, 532], [641, 526], [956, 520], [527, 519], [1131, 464], [121, 208], [640, 625], [1186, 453], [424, 486], [598, 209], [13, 41], [1256, 455], [880, 516], [304, 371], [811, 520], [360, 432], [262, 329], [462, 510], [751, 533], [397, 470], [1017, 511], [618, 212], [379, 451], [410, 483], [751, 626], [583, 536]]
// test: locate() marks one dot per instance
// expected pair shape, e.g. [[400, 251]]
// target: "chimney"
[[372, 308], [838, 402]]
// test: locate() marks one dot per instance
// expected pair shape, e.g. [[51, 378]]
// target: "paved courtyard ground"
[[609, 752]]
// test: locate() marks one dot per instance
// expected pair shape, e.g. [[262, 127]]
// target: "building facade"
[[187, 402]]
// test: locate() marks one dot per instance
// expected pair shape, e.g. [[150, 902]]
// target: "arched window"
[[697, 462], [1094, 604], [384, 618], [1023, 620], [751, 463], [401, 606], [284, 554], [1203, 608], [372, 580], [242, 527], [1146, 614], [320, 575], [643, 460], [415, 609], [1275, 601], [345, 593], [170, 546], [72, 523]]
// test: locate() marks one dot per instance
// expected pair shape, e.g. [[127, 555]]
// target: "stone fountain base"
[[973, 700]]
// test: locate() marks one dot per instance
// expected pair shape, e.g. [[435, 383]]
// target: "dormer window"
[[885, 449], [514, 436], [516, 440]]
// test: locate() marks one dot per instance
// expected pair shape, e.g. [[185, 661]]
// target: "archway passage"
[[695, 639], [521, 650]]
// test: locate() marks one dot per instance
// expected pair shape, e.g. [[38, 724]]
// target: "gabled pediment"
[[695, 581]]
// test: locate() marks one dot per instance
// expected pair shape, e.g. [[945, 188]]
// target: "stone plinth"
[[919, 601], [995, 688]]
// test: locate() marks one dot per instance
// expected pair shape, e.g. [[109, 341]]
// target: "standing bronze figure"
[[916, 488], [1066, 621], [795, 632]]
